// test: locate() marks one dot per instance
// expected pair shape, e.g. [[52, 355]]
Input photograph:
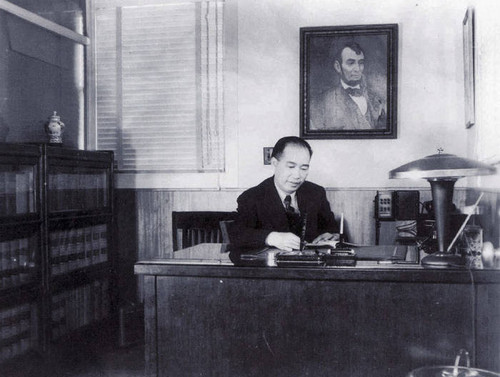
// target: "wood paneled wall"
[[144, 223], [154, 213]]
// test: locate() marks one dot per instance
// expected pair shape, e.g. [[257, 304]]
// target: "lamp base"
[[442, 260]]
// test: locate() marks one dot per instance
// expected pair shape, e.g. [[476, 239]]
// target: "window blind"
[[159, 85]]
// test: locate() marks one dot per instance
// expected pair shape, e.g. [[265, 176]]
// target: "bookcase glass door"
[[17, 189], [18, 258], [76, 307], [77, 247], [77, 189], [18, 329]]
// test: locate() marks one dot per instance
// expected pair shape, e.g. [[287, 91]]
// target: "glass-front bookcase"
[[56, 254], [17, 195], [79, 217], [77, 190], [20, 250]]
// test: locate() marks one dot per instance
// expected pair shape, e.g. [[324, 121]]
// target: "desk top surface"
[[209, 260]]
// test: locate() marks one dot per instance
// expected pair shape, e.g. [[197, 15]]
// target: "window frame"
[[177, 180]]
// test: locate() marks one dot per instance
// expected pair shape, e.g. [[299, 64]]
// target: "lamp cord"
[[465, 222], [474, 313]]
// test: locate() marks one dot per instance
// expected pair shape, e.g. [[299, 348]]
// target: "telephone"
[[397, 205]]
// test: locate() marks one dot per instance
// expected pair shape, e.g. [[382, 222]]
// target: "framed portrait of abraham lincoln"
[[348, 82]]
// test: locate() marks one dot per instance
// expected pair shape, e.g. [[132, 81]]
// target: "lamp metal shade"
[[442, 165], [442, 171]]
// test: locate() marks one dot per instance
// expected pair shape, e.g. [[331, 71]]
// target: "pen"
[[341, 232], [303, 232]]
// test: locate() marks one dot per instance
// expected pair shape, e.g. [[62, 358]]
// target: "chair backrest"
[[224, 228], [197, 227]]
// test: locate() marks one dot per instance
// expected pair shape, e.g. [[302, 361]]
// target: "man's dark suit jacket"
[[260, 212]]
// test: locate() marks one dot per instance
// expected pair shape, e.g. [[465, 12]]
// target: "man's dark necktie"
[[354, 92], [293, 216]]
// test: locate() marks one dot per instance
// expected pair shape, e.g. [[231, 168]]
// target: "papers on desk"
[[329, 244], [389, 254], [323, 244], [316, 257], [324, 255]]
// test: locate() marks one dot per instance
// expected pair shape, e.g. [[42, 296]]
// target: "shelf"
[[79, 215], [80, 276], [78, 156], [77, 307], [25, 292], [19, 151], [33, 218], [20, 330], [56, 246]]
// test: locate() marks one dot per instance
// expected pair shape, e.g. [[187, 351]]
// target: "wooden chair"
[[224, 228], [198, 227]]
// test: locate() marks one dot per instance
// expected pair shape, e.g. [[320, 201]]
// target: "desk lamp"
[[442, 171]]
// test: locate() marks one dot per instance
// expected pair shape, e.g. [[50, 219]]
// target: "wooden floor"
[[102, 358]]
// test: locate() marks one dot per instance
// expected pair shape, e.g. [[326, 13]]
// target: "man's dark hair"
[[353, 46], [289, 140]]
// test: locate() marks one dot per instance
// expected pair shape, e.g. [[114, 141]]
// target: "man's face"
[[352, 67], [291, 170]]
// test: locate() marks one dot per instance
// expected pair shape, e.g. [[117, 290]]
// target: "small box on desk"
[[306, 258], [316, 257], [340, 257]]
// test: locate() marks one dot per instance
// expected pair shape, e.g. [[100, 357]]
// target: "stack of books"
[[78, 307], [18, 330], [75, 248], [17, 261]]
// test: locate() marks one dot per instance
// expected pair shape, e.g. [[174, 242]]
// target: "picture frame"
[[469, 68], [363, 55]]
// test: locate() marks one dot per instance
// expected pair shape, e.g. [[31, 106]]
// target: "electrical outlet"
[[397, 205], [267, 152], [385, 205]]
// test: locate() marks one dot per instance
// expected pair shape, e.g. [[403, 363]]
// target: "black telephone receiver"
[[397, 205]]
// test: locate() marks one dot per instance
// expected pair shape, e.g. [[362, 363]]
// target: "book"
[[3, 193], [88, 245], [96, 241], [22, 190], [4, 264], [55, 252], [10, 193], [103, 243], [80, 247], [24, 267], [14, 262]]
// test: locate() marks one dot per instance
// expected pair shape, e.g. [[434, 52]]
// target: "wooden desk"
[[206, 317]]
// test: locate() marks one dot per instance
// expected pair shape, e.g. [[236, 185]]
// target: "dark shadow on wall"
[[126, 243]]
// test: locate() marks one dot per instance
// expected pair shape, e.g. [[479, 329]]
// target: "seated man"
[[272, 213]]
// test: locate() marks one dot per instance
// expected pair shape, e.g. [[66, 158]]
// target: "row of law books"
[[78, 307], [17, 261], [77, 191], [17, 192], [75, 248], [18, 330]]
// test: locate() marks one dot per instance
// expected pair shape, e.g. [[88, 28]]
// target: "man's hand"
[[283, 241], [326, 237]]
